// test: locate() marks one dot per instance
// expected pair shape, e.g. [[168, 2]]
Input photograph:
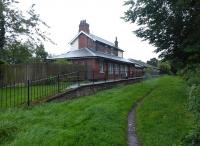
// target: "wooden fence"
[[22, 72]]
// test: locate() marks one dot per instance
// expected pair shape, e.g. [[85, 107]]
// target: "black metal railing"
[[25, 93]]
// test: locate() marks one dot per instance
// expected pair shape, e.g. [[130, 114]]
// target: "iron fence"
[[26, 93]]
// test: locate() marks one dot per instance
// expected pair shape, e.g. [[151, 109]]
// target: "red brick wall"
[[93, 67], [85, 42]]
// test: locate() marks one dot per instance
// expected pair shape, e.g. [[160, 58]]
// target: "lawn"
[[162, 118], [97, 120]]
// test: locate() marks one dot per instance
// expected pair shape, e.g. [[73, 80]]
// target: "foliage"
[[148, 72], [194, 102], [162, 118], [2, 62], [192, 74], [193, 138], [153, 62], [18, 53], [164, 67], [41, 54], [62, 61], [171, 26], [18, 28]]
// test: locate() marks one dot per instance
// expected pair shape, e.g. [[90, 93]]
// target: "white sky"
[[103, 16]]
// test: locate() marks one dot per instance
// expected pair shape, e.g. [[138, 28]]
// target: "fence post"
[[58, 79], [78, 79], [28, 101]]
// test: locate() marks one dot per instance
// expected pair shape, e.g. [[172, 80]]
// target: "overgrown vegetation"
[[192, 75]]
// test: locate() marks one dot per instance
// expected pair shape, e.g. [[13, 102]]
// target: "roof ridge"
[[102, 38], [93, 54]]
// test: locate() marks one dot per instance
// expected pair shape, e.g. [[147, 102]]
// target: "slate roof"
[[89, 53], [142, 64], [95, 38]]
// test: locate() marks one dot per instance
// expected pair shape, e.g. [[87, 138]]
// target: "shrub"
[[192, 75], [164, 67]]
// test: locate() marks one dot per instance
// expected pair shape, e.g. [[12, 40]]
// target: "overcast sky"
[[103, 16]]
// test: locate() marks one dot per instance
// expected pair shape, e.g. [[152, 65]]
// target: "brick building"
[[103, 58]]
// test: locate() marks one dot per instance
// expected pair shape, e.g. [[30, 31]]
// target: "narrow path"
[[131, 131], [132, 138]]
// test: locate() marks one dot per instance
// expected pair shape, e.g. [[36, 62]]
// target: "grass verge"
[[162, 118]]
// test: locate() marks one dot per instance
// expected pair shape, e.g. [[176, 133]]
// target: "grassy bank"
[[98, 120], [162, 118]]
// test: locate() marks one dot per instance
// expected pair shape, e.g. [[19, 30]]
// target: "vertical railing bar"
[[78, 79], [58, 83], [6, 95], [93, 77], [14, 93], [10, 94], [28, 94], [1, 94]]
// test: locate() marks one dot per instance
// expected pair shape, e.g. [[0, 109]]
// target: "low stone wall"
[[90, 89]]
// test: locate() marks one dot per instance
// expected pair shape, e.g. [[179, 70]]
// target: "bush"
[[194, 102], [192, 75], [193, 138], [165, 67], [3, 62], [148, 72]]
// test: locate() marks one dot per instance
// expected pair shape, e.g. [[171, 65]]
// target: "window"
[[110, 70], [101, 67], [116, 69], [122, 69], [126, 69]]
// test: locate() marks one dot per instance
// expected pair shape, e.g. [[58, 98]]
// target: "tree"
[[153, 62], [165, 67], [172, 26], [19, 53], [41, 54], [19, 27]]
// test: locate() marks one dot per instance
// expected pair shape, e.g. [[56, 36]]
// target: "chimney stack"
[[116, 43], [84, 26]]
